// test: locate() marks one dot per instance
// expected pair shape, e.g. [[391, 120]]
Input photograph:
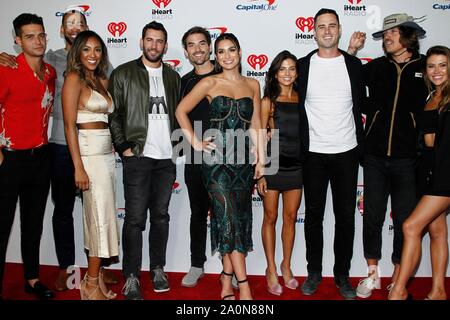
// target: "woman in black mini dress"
[[279, 113]]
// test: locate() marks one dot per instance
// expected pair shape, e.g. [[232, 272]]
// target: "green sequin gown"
[[230, 183]]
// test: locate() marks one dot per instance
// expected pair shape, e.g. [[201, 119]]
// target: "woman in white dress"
[[86, 105]]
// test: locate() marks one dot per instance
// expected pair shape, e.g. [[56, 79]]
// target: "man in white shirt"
[[330, 92]]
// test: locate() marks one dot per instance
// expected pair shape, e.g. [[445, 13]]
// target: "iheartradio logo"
[[117, 29], [305, 23], [161, 3], [354, 1], [254, 60], [176, 188]]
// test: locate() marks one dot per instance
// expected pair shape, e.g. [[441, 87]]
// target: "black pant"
[[147, 186], [384, 177], [341, 171], [63, 196], [200, 204], [24, 175]]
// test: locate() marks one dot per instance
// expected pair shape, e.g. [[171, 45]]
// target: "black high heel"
[[244, 281], [228, 296]]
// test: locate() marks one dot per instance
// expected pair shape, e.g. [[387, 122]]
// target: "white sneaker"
[[365, 286], [191, 278]]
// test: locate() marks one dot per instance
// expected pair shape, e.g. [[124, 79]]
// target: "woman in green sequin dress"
[[227, 168]]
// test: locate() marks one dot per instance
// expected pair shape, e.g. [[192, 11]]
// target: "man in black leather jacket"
[[145, 93]]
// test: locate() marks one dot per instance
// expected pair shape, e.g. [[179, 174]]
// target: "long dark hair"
[[409, 39], [272, 87], [74, 61], [225, 36], [445, 93]]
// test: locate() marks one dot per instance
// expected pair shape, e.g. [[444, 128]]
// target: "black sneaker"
[[160, 281], [311, 283], [132, 289], [345, 288]]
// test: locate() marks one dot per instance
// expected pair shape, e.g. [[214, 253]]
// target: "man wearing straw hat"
[[395, 92]]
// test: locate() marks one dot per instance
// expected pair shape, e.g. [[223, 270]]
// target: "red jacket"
[[25, 105]]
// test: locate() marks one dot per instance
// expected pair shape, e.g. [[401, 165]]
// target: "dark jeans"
[[384, 177], [199, 202], [147, 186], [63, 196], [341, 171], [24, 176]]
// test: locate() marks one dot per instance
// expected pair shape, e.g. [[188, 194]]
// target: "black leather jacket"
[[130, 89]]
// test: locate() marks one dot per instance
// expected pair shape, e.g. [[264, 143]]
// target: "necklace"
[[399, 54]]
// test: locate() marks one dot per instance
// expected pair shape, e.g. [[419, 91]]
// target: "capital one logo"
[[173, 63], [83, 7], [305, 23], [254, 60], [354, 1], [163, 3], [117, 29], [270, 2], [219, 30]]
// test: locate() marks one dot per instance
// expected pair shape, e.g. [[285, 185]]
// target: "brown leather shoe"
[[61, 280], [109, 277]]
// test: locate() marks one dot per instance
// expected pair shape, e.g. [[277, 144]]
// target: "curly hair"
[[444, 51], [74, 58], [272, 86]]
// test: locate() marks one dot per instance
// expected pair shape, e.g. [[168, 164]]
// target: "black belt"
[[26, 151]]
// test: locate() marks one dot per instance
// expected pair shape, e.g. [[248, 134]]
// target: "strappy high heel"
[[101, 283], [95, 293], [242, 282], [228, 296]]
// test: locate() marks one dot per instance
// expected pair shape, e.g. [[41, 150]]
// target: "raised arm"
[[71, 92], [186, 105], [356, 42]]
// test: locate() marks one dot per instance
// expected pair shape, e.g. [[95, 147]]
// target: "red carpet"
[[207, 289]]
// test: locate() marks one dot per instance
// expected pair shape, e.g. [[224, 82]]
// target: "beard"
[[69, 40], [153, 59]]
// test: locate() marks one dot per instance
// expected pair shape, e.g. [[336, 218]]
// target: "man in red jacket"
[[26, 100]]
